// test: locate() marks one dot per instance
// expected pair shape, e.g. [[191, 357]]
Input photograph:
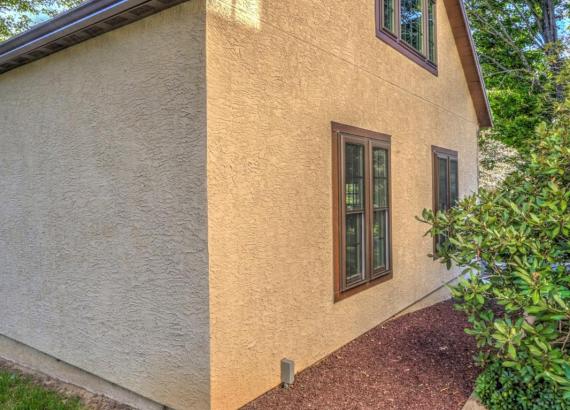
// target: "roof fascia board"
[[469, 60], [88, 20], [69, 23]]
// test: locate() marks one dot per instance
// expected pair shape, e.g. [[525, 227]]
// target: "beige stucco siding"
[[278, 73], [103, 252]]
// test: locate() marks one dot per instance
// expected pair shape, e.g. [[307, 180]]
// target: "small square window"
[[410, 26]]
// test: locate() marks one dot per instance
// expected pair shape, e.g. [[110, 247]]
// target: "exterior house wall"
[[103, 252], [278, 73]]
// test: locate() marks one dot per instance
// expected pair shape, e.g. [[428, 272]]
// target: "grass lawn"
[[20, 393]]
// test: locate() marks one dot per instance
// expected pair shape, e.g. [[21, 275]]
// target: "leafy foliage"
[[514, 244], [496, 160], [501, 388], [19, 15], [522, 46]]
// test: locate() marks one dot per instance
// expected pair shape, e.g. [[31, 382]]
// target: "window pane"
[[354, 248], [388, 16], [442, 184], [379, 239], [380, 181], [453, 182], [354, 176], [411, 26], [380, 193], [379, 162], [431, 31]]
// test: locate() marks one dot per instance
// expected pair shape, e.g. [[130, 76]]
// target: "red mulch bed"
[[422, 360]]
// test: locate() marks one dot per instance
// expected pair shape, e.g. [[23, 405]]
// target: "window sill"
[[357, 289], [406, 50]]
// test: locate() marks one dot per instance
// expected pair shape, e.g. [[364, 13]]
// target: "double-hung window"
[[409, 26], [445, 183], [362, 214]]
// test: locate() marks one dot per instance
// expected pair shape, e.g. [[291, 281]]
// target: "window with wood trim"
[[362, 213], [409, 26], [445, 183]]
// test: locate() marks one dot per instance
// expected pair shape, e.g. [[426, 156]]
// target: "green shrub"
[[514, 245], [501, 388]]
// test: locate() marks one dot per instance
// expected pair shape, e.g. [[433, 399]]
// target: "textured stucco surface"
[[103, 252], [278, 73]]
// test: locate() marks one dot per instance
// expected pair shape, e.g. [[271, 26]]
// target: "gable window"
[[362, 214], [445, 183], [409, 26]]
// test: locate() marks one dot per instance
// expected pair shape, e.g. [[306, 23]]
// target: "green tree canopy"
[[19, 15], [522, 45]]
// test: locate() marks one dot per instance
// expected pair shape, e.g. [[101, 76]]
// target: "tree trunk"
[[549, 31]]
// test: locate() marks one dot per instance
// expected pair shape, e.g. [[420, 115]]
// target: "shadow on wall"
[[246, 12]]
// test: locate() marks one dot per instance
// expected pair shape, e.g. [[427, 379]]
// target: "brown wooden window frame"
[[341, 134], [449, 155], [394, 39]]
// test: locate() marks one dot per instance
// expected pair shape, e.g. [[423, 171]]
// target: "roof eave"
[[469, 60], [81, 23]]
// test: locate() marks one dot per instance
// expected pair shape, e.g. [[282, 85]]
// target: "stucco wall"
[[103, 252], [278, 73]]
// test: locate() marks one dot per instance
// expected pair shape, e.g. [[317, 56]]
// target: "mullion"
[[398, 18]]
